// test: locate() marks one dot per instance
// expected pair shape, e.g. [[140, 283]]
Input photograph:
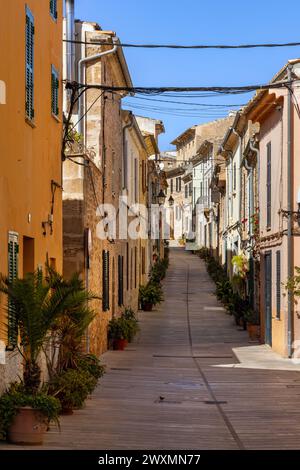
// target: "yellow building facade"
[[30, 136]]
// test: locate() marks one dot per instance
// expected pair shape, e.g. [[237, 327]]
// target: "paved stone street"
[[171, 389]]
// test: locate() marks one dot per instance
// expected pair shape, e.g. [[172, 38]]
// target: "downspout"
[[70, 47], [125, 128], [240, 171], [81, 79], [290, 215]]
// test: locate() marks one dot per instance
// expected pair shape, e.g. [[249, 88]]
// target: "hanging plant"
[[240, 265]]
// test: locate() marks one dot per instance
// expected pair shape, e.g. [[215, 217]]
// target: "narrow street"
[[168, 390]]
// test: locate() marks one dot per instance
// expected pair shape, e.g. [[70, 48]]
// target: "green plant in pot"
[[133, 324], [149, 295], [119, 332], [72, 387], [35, 307], [253, 323]]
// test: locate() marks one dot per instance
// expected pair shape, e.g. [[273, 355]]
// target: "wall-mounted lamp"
[[161, 198], [171, 201]]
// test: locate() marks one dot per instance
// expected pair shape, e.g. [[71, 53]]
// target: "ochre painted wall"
[[30, 153]]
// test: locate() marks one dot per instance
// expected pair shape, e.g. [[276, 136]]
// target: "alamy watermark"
[[137, 221]]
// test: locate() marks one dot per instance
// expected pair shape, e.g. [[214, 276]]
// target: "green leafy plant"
[[119, 328], [91, 364], [68, 331], [133, 323], [241, 265], [150, 294], [72, 387], [38, 305], [17, 397]]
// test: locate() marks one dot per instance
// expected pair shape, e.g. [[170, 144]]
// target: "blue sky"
[[197, 22]]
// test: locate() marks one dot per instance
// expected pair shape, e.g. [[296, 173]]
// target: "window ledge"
[[30, 122], [56, 118]]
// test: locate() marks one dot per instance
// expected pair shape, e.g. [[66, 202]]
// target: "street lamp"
[[161, 198], [171, 201]]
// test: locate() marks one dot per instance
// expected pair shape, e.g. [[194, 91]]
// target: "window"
[[127, 266], [136, 180], [171, 185], [135, 267], [105, 280], [269, 185], [53, 9], [29, 55], [278, 284], [186, 191], [190, 189], [13, 261], [54, 91], [234, 176]]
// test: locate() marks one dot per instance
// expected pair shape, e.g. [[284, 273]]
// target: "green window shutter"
[[105, 280], [54, 91], [120, 280], [13, 261], [29, 54], [269, 185], [278, 283], [53, 8]]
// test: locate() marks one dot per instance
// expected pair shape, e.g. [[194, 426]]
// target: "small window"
[[53, 9], [29, 54], [54, 92]]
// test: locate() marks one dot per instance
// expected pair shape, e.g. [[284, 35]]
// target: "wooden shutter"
[[13, 261], [171, 186], [54, 91], [269, 184], [29, 54], [120, 280], [278, 283], [105, 280], [53, 8]]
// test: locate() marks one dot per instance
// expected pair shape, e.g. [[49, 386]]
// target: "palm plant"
[[39, 304], [64, 347]]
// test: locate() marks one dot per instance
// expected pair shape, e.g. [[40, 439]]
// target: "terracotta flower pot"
[[119, 344], [28, 427], [147, 307], [253, 331]]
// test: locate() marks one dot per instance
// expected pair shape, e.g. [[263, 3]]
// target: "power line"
[[185, 46], [160, 90], [153, 100]]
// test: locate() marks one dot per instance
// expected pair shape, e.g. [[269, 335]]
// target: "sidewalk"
[[180, 386]]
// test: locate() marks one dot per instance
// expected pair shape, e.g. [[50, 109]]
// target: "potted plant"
[[71, 387], [133, 324], [252, 319], [36, 307], [149, 295], [38, 304], [24, 418], [118, 331]]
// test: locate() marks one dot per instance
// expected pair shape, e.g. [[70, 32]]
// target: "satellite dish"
[[161, 166]]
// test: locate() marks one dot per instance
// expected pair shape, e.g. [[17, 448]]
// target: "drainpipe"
[[70, 37], [125, 128], [81, 79], [256, 151], [240, 171], [290, 215]]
